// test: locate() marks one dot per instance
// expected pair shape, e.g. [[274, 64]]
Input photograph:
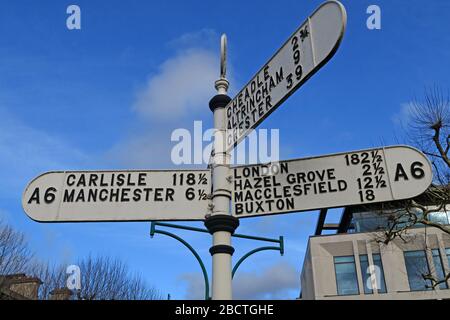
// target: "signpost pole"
[[221, 224]]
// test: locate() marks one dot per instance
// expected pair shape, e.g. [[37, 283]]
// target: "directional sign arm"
[[74, 196], [344, 179], [302, 55]]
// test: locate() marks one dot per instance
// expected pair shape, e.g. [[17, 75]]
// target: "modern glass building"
[[356, 263]]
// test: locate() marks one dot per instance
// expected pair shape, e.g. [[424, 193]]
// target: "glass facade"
[[346, 279], [374, 221], [447, 252], [440, 272], [364, 262], [379, 273], [439, 217], [416, 267], [381, 282]]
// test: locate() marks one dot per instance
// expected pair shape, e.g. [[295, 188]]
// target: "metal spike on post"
[[222, 83], [221, 224]]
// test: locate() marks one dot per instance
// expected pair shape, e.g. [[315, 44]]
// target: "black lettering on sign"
[[365, 157], [80, 196], [70, 180], [34, 196], [416, 170], [304, 33], [294, 42], [92, 195], [124, 197], [69, 197], [120, 179], [169, 194], [238, 208], [290, 203], [114, 195], [299, 72], [81, 181], [190, 194], [289, 81], [130, 182], [342, 185], [266, 73], [366, 169], [141, 180], [259, 206], [367, 195], [158, 194], [105, 184], [93, 180], [400, 173], [268, 102], [50, 196], [137, 194], [279, 76], [103, 195]]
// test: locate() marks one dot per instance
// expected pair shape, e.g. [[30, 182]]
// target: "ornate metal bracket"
[[153, 231]]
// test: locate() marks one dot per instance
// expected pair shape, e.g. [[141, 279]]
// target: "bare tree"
[[104, 278], [427, 128], [14, 252], [17, 258], [53, 276]]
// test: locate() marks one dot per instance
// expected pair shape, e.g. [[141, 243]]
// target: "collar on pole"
[[219, 101]]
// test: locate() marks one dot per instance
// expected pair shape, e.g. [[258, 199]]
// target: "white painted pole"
[[221, 224]]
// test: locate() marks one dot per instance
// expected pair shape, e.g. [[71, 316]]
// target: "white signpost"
[[305, 52], [71, 196], [360, 177], [338, 180]]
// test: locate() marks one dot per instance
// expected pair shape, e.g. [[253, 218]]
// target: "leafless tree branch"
[[104, 278], [14, 252], [428, 128]]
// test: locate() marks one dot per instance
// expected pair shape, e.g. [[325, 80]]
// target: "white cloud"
[[195, 285], [280, 281], [141, 150], [402, 117], [176, 94], [205, 38], [183, 84]]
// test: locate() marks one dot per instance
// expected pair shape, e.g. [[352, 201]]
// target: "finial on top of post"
[[222, 83]]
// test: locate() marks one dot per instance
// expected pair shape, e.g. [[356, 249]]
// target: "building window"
[[379, 273], [438, 217], [416, 267], [440, 272], [382, 283], [346, 279], [369, 221], [364, 261], [447, 252]]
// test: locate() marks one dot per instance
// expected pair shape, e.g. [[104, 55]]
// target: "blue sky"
[[83, 99]]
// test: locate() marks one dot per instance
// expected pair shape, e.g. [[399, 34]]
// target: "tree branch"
[[436, 138]]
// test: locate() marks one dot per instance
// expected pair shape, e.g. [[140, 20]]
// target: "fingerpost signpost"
[[310, 47], [220, 195], [337, 180], [71, 196]]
